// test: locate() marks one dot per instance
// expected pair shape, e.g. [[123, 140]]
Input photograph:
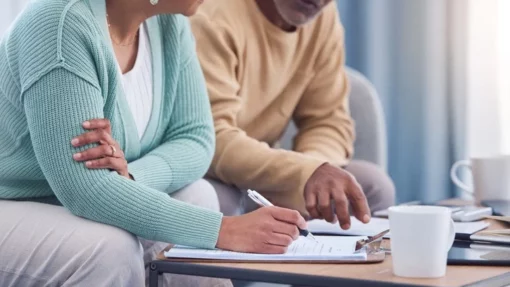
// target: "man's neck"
[[268, 8]]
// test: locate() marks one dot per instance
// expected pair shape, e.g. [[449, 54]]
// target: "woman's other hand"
[[107, 154], [268, 230]]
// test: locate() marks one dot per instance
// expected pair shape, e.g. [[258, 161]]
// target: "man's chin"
[[299, 21]]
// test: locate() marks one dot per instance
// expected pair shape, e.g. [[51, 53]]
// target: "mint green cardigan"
[[57, 70]]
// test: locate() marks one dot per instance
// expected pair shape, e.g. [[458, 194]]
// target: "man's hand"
[[332, 190]]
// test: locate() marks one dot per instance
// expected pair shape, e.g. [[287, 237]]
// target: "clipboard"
[[374, 254]]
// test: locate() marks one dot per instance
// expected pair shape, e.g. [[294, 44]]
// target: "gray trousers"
[[377, 186], [45, 245]]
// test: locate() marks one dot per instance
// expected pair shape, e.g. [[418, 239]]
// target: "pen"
[[262, 201]]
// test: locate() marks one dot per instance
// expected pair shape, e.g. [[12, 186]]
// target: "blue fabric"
[[402, 47]]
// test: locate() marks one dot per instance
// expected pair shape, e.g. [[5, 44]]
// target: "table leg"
[[153, 275]]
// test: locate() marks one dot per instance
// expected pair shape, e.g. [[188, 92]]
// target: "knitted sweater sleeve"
[[188, 143], [55, 107]]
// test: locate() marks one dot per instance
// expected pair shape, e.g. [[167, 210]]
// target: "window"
[[9, 11], [504, 69], [488, 77]]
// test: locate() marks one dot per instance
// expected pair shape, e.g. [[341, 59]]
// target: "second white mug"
[[491, 177]]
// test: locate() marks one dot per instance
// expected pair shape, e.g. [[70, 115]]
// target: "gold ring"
[[114, 150]]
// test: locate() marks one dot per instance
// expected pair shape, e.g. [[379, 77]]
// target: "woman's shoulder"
[[44, 33], [46, 18]]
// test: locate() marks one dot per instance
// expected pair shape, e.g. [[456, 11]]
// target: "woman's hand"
[[268, 230], [107, 154]]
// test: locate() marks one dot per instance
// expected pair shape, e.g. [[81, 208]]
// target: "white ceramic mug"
[[491, 177], [421, 237]]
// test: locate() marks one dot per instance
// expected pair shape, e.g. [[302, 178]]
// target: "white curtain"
[[488, 74], [413, 51], [504, 70], [10, 9]]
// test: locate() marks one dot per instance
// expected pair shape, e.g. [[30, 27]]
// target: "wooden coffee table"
[[333, 274]]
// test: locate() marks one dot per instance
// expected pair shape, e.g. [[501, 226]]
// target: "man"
[[267, 62]]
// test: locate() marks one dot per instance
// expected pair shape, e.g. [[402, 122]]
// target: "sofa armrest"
[[367, 112]]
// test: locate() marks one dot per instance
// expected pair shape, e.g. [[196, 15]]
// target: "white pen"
[[262, 201]]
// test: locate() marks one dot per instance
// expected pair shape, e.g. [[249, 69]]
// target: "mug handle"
[[451, 236], [456, 179]]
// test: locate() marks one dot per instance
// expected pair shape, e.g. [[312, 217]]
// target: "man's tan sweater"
[[259, 78]]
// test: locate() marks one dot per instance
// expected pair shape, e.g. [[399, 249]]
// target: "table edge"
[[197, 269], [496, 281]]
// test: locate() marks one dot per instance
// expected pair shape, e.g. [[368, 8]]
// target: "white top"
[[138, 84]]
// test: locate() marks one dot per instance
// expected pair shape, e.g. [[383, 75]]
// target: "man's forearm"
[[319, 144], [330, 139]]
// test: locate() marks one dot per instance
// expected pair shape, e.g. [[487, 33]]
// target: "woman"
[[64, 66]]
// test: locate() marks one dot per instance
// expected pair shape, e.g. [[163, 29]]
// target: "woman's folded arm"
[[56, 106]]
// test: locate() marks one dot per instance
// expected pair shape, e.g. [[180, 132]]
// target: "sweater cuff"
[[202, 225], [151, 171], [340, 159], [294, 197], [310, 165]]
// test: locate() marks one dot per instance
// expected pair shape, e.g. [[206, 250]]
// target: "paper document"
[[497, 236], [378, 225], [470, 227], [500, 218], [303, 249]]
